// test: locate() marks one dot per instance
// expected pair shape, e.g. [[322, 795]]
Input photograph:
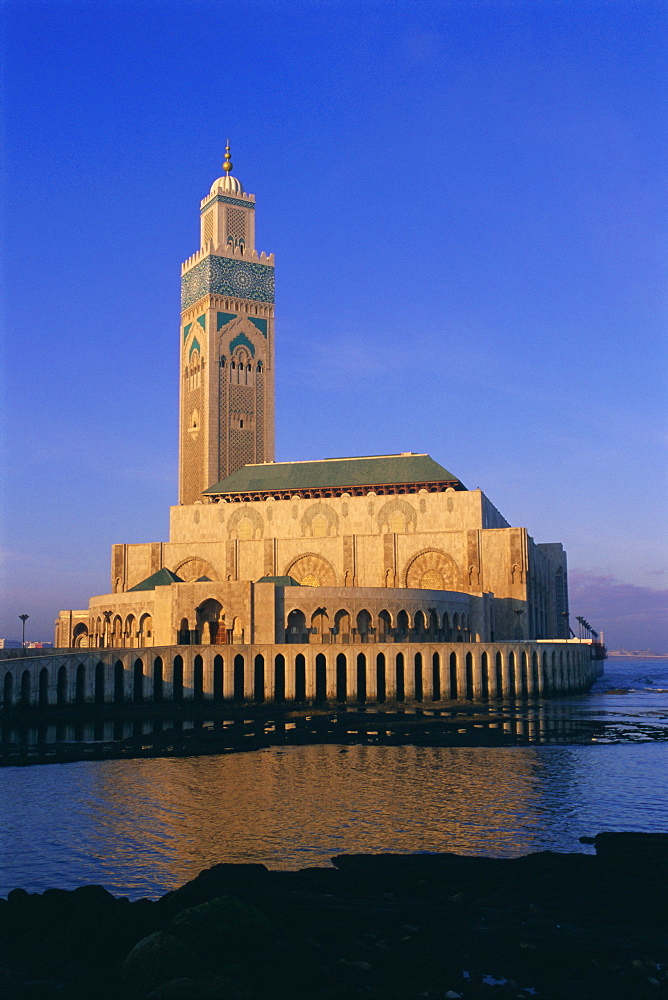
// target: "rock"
[[223, 929], [650, 847], [212, 883], [127, 924], [156, 959], [215, 988]]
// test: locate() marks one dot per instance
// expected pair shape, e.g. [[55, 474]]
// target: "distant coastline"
[[638, 653]]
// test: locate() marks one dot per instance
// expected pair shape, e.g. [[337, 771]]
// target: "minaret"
[[227, 343]]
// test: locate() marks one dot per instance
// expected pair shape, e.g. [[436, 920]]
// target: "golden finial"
[[227, 164]]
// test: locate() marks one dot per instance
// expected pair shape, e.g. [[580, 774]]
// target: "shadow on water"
[[57, 736]]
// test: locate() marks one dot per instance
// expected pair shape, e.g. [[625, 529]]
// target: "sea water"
[[142, 827]]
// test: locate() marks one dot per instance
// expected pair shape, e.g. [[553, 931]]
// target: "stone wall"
[[423, 672]]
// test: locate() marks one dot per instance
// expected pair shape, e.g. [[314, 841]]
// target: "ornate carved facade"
[[386, 546]]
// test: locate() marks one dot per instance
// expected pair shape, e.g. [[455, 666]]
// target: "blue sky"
[[467, 205]]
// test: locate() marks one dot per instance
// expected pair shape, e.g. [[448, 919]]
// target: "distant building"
[[380, 548]]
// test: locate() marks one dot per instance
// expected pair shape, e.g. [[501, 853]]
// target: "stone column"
[[310, 673], [330, 656], [477, 675], [291, 674], [491, 674], [351, 674], [461, 673], [518, 673], [505, 674], [529, 674], [390, 674], [444, 671], [371, 677], [249, 675], [128, 678], [228, 675], [188, 676], [427, 675], [409, 672], [207, 674]]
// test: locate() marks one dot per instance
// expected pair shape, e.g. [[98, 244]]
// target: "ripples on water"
[[141, 827]]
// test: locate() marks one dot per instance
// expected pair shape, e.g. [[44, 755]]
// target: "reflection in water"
[[141, 827]]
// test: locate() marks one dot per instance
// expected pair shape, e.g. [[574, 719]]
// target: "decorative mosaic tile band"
[[225, 276], [228, 201]]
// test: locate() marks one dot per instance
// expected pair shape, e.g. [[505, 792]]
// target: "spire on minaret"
[[227, 184], [227, 162]]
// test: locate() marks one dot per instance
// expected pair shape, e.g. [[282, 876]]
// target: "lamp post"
[[24, 619]]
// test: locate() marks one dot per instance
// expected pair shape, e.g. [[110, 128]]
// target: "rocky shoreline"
[[425, 927]]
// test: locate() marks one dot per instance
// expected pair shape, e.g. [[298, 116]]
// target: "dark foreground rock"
[[438, 927]]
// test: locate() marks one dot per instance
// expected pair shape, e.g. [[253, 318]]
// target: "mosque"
[[375, 549]]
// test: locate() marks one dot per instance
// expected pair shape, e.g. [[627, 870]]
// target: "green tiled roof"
[[280, 581], [163, 578], [335, 473]]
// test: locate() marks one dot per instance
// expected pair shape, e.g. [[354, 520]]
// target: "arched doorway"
[[469, 677], [238, 693], [25, 689], [258, 678], [436, 677], [300, 677], [320, 677], [364, 625], [341, 677], [158, 691], [80, 635], [401, 679], [218, 668], [380, 677], [296, 627], [320, 623], [342, 625], [418, 676], [177, 679], [198, 679], [454, 692], [211, 623], [279, 677], [361, 677]]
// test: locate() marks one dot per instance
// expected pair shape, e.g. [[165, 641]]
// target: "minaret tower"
[[227, 343]]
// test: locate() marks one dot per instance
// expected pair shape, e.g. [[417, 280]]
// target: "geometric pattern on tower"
[[225, 276]]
